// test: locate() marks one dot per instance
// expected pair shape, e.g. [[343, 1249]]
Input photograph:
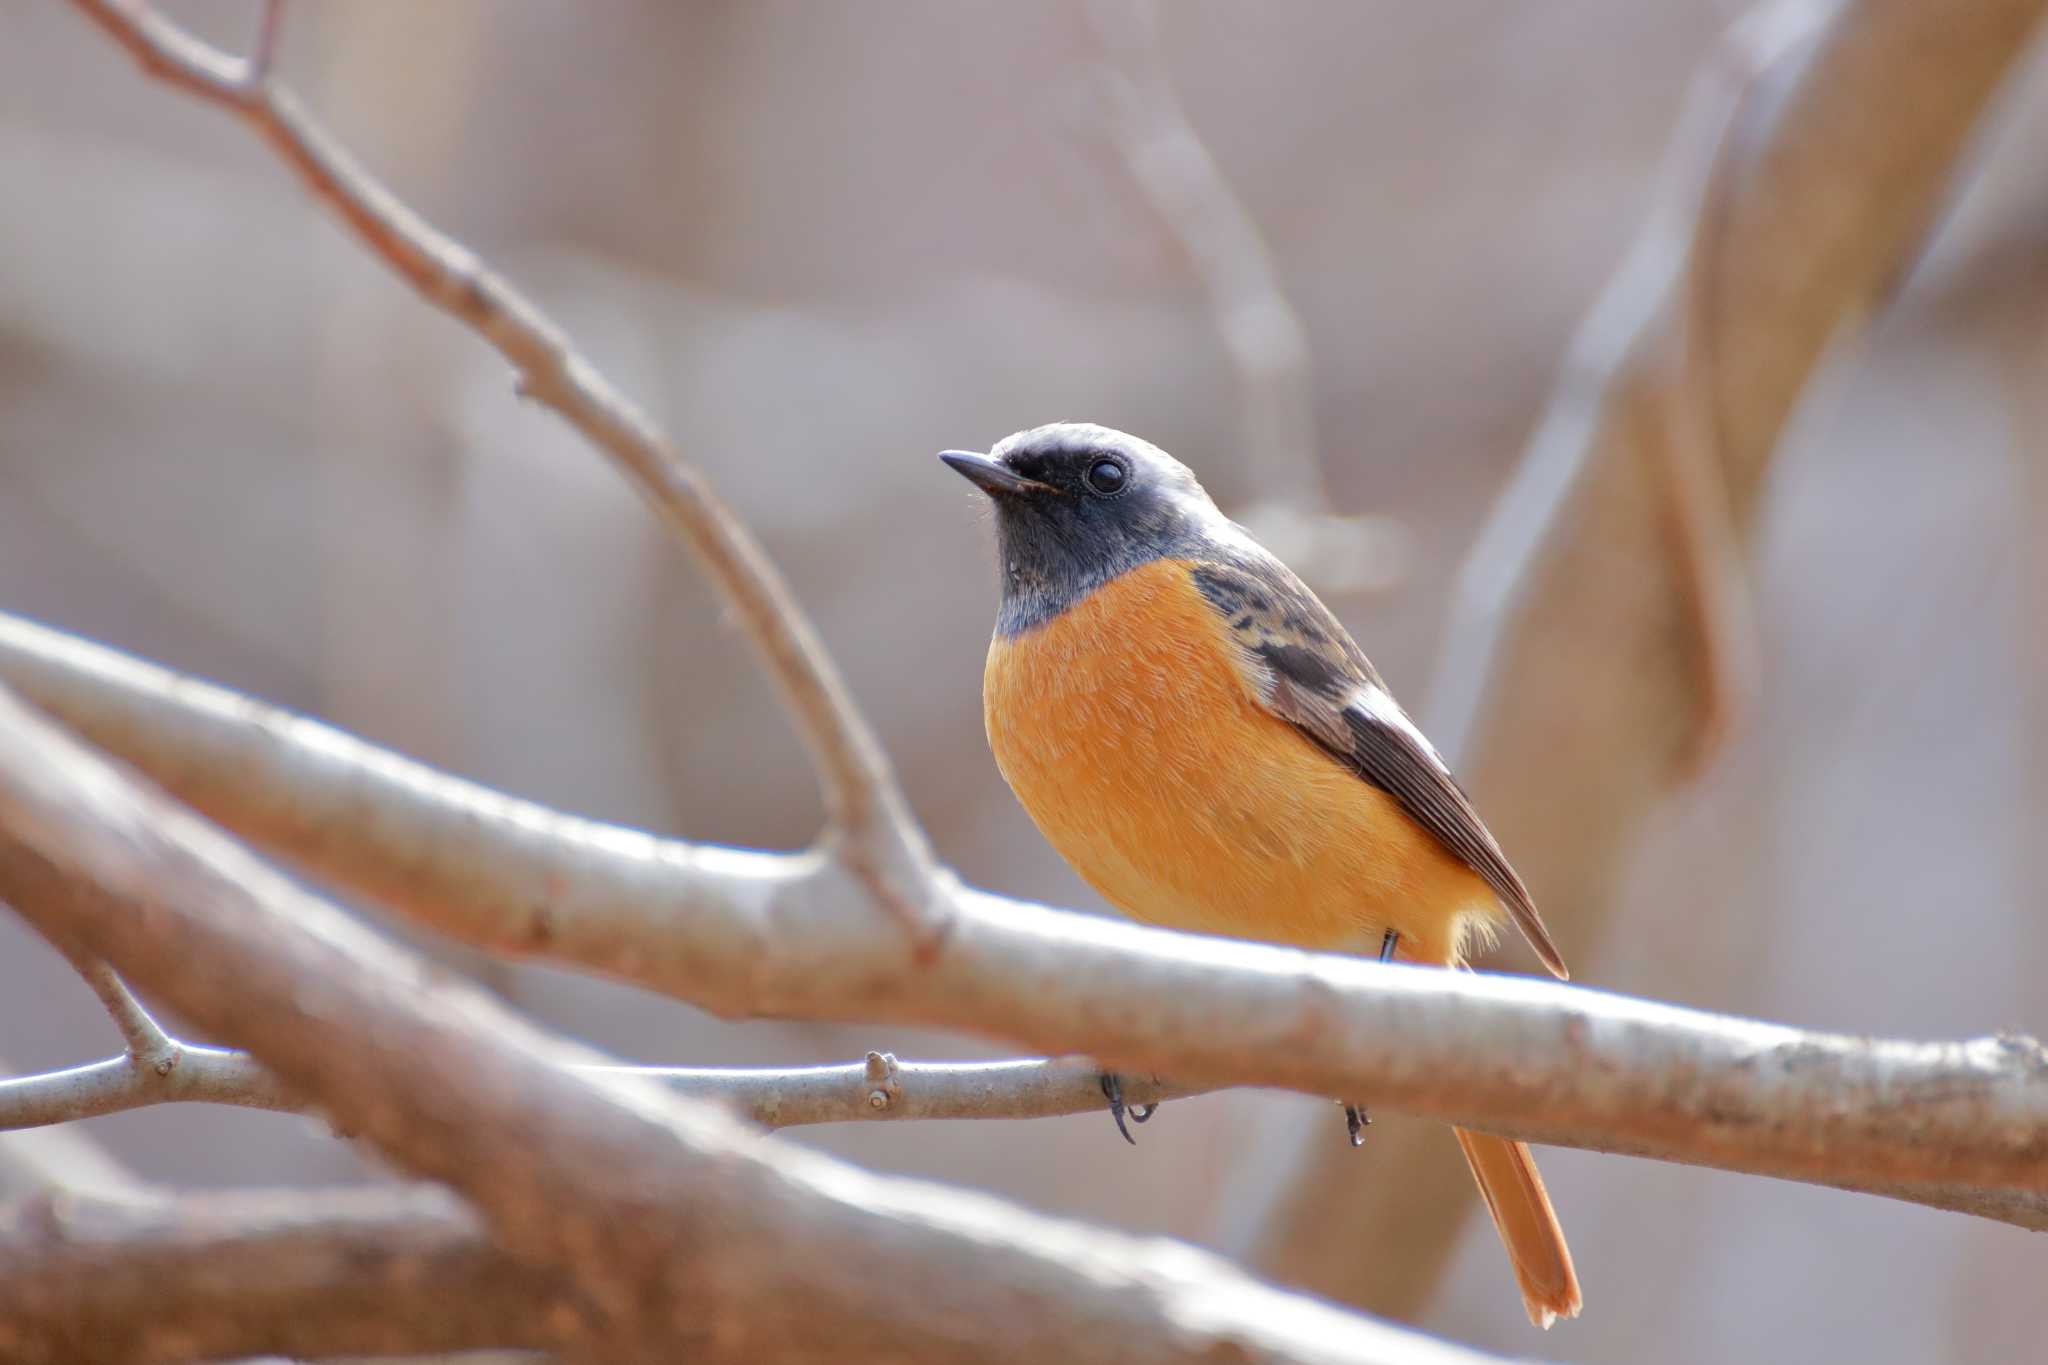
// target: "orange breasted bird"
[[1197, 735]]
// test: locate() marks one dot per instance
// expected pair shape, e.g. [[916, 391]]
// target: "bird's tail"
[[1528, 1228]]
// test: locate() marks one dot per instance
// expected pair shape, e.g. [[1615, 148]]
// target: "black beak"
[[991, 476]]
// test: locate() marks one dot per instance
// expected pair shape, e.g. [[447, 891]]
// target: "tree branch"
[[1260, 329], [298, 1273], [41, 1160], [1817, 145], [870, 822], [149, 1048], [771, 1098], [203, 1075], [1259, 326], [744, 932], [673, 1230]]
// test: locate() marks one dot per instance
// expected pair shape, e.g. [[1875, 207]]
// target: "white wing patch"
[[1382, 707]]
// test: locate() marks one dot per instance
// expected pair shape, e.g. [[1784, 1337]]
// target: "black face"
[[1077, 505]]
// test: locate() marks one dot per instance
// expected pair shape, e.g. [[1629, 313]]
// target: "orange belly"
[[1135, 743]]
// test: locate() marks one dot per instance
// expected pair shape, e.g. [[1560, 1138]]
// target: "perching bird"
[[1193, 730]]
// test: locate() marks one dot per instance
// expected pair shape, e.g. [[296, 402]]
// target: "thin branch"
[[149, 1048], [883, 1088], [1259, 326], [770, 1097], [870, 822], [203, 1075], [1194, 200], [675, 1231], [1025, 1089], [743, 932], [263, 52], [63, 1160]]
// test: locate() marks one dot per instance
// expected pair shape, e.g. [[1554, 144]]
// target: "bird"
[[1195, 733]]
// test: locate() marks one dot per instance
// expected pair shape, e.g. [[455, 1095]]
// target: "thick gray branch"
[[676, 1233], [790, 935], [298, 1273], [871, 822]]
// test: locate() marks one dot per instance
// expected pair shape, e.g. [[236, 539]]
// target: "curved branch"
[[745, 932], [674, 1230], [877, 1089], [1261, 330], [1195, 202], [871, 824], [1601, 612]]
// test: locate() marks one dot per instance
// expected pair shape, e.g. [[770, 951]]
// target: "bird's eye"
[[1106, 477]]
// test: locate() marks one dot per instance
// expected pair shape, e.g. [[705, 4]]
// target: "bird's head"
[[1078, 504]]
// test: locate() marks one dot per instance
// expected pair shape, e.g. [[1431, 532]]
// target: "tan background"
[[822, 241]]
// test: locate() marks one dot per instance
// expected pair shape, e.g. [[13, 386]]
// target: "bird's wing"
[[1307, 670]]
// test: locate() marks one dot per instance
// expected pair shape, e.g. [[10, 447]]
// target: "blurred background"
[[821, 242]]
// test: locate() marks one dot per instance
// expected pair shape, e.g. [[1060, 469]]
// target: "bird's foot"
[[1113, 1091], [1356, 1121]]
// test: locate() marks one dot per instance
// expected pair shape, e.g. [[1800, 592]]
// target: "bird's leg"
[[1113, 1091], [1356, 1120]]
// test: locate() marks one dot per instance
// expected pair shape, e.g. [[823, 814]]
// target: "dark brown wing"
[[1308, 671]]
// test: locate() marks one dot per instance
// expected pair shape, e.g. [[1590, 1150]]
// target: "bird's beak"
[[991, 476]]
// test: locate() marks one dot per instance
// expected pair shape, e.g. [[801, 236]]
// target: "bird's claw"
[[1356, 1120], [1113, 1091]]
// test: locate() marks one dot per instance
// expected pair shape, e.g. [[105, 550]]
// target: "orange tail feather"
[[1528, 1228]]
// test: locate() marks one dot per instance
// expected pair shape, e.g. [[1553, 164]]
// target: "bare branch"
[[1815, 149], [674, 1230], [1260, 327], [884, 1088], [149, 1048], [871, 825], [203, 1075], [1194, 200], [747, 933], [1024, 1089], [61, 1159], [1798, 188], [263, 55], [772, 1098], [298, 1273]]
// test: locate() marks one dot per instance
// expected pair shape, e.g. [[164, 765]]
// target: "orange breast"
[[1131, 735]]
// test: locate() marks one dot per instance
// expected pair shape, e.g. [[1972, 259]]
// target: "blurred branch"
[[879, 1088], [1260, 328], [785, 933], [871, 827], [745, 932], [263, 52], [1195, 202], [298, 1273], [1601, 613], [96, 1265], [670, 1227]]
